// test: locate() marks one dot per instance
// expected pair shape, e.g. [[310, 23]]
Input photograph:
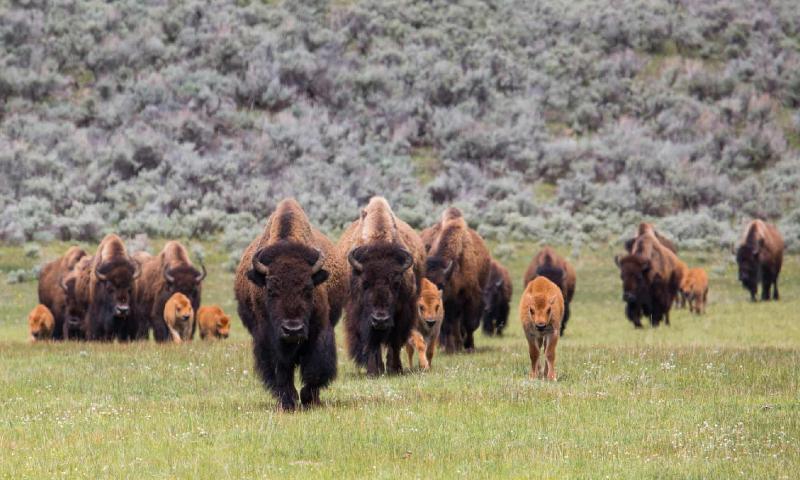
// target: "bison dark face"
[[288, 273], [378, 277], [747, 259], [439, 270], [184, 279], [633, 272], [115, 283]]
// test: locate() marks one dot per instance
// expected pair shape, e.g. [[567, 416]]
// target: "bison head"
[[288, 273], [378, 278], [747, 259], [439, 270], [184, 279], [634, 271], [115, 282]]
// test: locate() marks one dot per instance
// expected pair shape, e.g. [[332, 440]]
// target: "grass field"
[[709, 397]]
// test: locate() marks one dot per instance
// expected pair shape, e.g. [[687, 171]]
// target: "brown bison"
[[103, 290], [540, 312], [179, 317], [429, 322], [496, 299], [651, 279], [648, 227], [213, 322], [760, 257], [458, 263], [694, 288], [387, 259], [163, 275], [40, 324], [290, 287], [548, 263], [51, 290], [74, 326]]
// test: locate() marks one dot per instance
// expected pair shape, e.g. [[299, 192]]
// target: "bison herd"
[[400, 290]]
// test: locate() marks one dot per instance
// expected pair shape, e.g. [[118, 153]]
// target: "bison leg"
[[533, 353], [393, 363], [564, 320], [450, 335], [421, 348], [471, 322], [550, 354], [431, 350], [502, 318], [318, 367], [488, 323], [375, 362], [775, 295], [634, 314], [766, 282]]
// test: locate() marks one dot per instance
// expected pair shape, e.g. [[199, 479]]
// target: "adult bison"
[[760, 257], [162, 276], [458, 263], [103, 290], [548, 263], [52, 293], [387, 259], [290, 287], [496, 299], [651, 279]]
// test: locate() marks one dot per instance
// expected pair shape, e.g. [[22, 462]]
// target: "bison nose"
[[185, 317], [292, 329], [122, 309], [430, 322], [541, 327], [381, 320], [628, 297]]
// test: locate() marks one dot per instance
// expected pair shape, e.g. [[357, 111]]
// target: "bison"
[[73, 327], [163, 275], [40, 324], [458, 263], [541, 310], [386, 259], [179, 317], [694, 289], [651, 278], [548, 263], [103, 290], [51, 286], [496, 298], [213, 323], [290, 287], [760, 257], [429, 322]]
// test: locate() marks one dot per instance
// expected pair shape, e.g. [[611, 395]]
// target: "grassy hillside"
[[193, 118], [708, 397]]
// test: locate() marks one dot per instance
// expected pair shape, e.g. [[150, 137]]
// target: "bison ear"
[[257, 278], [319, 276]]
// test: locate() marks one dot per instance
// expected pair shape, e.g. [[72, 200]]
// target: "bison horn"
[[167, 275], [99, 275], [407, 261], [257, 265], [137, 270], [199, 278], [318, 264], [351, 257], [448, 267]]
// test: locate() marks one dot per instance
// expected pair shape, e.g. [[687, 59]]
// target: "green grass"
[[709, 397]]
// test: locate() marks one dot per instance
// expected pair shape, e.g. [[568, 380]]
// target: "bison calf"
[[694, 289], [430, 313], [179, 317], [213, 322], [540, 312], [41, 323]]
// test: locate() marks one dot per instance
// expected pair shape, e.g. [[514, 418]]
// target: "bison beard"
[[382, 307], [292, 326]]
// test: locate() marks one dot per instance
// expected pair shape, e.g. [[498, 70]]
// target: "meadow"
[[709, 397]]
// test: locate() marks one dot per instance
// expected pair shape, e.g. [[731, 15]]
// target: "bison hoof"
[[309, 396]]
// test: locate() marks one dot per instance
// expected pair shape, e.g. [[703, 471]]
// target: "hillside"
[[566, 120]]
